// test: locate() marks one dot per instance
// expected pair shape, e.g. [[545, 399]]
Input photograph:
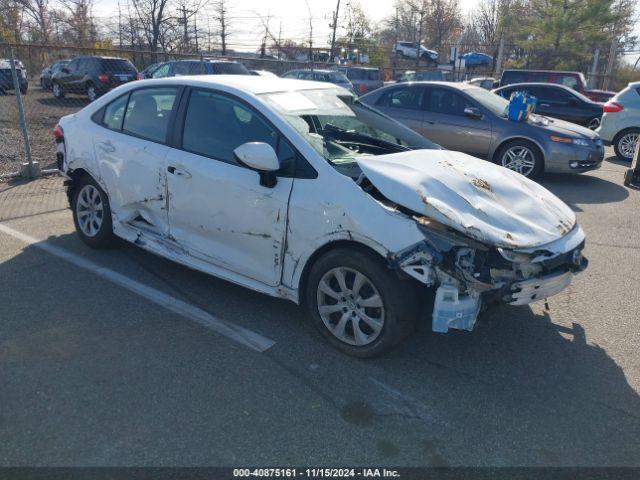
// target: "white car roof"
[[252, 83]]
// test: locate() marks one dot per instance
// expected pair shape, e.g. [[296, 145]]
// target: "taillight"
[[612, 107], [58, 134], [103, 77], [362, 88], [138, 76]]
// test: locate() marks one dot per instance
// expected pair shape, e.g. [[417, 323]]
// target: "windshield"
[[492, 102], [340, 128], [338, 77]]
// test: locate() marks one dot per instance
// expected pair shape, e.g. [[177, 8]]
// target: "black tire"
[[92, 92], [103, 237], [398, 299], [593, 123], [57, 90], [538, 167], [618, 140]]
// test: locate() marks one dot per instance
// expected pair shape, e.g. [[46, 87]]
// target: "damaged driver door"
[[219, 210], [131, 154]]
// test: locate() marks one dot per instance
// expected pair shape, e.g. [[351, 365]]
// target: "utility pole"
[[500, 55], [119, 26], [334, 26], [418, 43], [394, 54], [183, 21], [610, 62], [310, 36], [594, 68]]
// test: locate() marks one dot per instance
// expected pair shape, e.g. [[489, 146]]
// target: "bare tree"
[[221, 16], [81, 27], [38, 12], [152, 16]]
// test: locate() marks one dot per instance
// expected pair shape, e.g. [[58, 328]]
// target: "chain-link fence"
[[55, 81]]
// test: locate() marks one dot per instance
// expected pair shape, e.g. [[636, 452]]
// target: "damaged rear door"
[[218, 210], [131, 154]]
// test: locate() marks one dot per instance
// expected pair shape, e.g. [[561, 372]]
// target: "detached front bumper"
[[465, 276]]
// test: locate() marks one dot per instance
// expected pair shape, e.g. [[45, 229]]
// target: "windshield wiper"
[[351, 136]]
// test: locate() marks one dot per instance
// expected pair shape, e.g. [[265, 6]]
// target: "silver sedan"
[[470, 119]]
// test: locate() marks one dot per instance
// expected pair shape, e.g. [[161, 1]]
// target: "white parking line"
[[239, 334]]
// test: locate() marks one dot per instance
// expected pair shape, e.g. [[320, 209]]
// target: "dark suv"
[[6, 80], [92, 76], [197, 67]]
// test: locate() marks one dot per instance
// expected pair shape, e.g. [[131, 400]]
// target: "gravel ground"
[[42, 112]]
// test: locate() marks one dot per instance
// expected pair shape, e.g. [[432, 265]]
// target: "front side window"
[[188, 68], [148, 113], [215, 125], [114, 113], [569, 81], [444, 100], [161, 72], [340, 128], [409, 98]]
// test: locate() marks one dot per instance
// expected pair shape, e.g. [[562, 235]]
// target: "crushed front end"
[[466, 272]]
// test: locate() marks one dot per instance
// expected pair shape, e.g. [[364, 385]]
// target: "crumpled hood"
[[487, 202]]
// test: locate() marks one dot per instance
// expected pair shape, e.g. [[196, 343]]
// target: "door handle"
[[431, 122], [545, 105], [178, 172]]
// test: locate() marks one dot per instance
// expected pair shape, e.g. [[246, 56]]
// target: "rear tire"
[[593, 123], [370, 313], [92, 214], [624, 144], [521, 156]]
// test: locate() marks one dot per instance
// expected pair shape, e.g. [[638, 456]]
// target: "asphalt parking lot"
[[95, 372]]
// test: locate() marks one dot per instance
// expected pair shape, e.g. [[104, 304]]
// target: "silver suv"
[[620, 124]]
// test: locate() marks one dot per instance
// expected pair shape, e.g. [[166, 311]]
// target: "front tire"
[[92, 214], [92, 93], [593, 123], [521, 156], [357, 304], [625, 144], [57, 91]]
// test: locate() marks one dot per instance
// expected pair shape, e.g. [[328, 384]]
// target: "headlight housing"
[[576, 141]]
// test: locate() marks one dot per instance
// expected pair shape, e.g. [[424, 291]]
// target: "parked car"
[[297, 190], [179, 68], [319, 75], [363, 79], [6, 77], [47, 73], [411, 49], [574, 80], [425, 75], [558, 101], [620, 125], [488, 83], [470, 119], [92, 76], [476, 59], [262, 73]]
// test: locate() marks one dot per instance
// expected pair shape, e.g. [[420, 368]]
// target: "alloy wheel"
[[350, 306], [627, 144], [89, 209], [56, 90], [519, 159]]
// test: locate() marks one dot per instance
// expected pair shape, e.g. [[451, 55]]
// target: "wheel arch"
[[617, 136], [322, 250]]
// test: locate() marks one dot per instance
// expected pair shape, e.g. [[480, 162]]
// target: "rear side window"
[[148, 113], [373, 75], [118, 65], [229, 68], [162, 71], [513, 77], [409, 98], [569, 81], [114, 113], [188, 68]]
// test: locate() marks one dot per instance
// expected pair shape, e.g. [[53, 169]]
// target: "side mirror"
[[262, 158], [473, 112]]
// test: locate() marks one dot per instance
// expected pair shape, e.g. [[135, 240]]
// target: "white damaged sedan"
[[297, 190]]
